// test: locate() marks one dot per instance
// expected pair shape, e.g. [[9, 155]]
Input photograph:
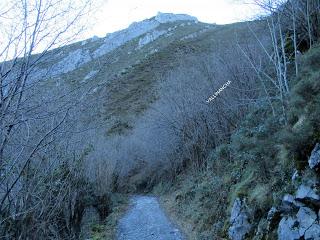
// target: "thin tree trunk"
[[295, 38]]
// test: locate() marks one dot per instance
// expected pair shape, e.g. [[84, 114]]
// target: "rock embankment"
[[296, 217]]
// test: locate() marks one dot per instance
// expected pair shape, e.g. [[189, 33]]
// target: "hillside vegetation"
[[257, 164]]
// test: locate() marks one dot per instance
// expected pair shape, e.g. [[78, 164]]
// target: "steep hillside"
[[264, 183], [115, 79]]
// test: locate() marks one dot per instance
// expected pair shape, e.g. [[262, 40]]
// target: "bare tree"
[[30, 124], [292, 31]]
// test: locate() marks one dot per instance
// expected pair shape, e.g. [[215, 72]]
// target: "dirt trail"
[[145, 220]]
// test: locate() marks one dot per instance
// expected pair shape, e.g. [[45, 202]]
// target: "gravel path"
[[146, 221]]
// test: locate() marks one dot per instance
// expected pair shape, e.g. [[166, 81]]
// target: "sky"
[[114, 15]]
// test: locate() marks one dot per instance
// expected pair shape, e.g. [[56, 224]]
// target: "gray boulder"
[[313, 233], [288, 229], [306, 218], [240, 225], [288, 199], [302, 226], [307, 194], [314, 160]]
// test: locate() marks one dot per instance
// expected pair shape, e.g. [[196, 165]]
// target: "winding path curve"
[[146, 221]]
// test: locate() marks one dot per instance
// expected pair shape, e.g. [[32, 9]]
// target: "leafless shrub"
[[181, 128]]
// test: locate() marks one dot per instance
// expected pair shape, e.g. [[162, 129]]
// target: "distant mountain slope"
[[100, 67], [115, 77]]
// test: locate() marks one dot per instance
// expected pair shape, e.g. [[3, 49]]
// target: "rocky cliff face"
[[240, 217]]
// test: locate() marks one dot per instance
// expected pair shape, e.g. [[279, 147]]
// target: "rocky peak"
[[170, 17], [136, 29]]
